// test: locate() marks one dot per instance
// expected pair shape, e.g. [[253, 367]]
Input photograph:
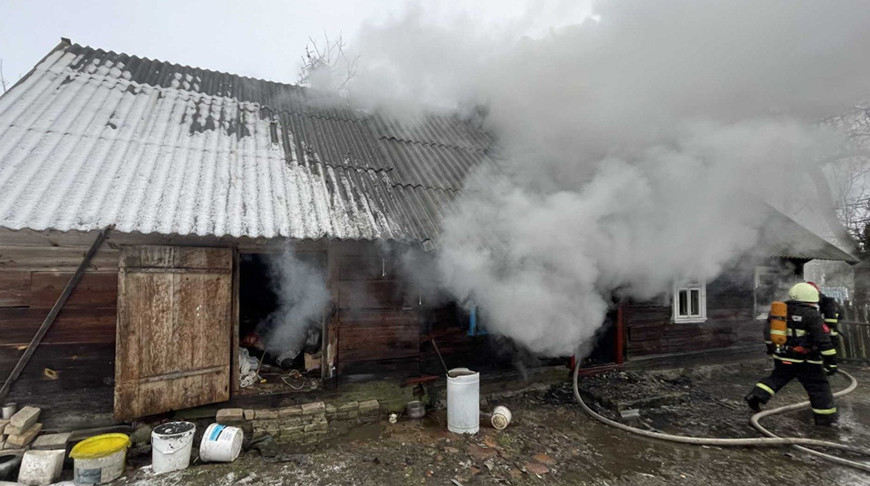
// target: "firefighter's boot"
[[826, 420], [753, 401]]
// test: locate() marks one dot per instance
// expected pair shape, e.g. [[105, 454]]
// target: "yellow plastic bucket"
[[100, 459]]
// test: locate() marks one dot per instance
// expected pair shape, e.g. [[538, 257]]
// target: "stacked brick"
[[301, 424], [20, 430]]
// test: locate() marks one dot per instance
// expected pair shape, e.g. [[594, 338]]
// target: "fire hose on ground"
[[771, 440]]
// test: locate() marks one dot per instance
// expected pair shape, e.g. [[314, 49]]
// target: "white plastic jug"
[[463, 401]]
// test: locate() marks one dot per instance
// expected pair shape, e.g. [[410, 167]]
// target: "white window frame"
[[689, 286]]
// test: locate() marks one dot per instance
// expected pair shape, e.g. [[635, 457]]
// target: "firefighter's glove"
[[771, 348]]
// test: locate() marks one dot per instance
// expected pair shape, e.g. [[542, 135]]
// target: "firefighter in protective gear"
[[807, 355], [830, 310]]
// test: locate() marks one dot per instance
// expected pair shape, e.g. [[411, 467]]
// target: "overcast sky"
[[263, 39]]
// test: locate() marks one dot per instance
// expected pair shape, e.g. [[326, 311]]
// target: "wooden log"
[[375, 334], [356, 267], [55, 259], [72, 326], [94, 289], [373, 295], [88, 365], [14, 288]]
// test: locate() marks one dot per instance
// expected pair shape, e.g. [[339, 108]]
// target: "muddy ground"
[[551, 441]]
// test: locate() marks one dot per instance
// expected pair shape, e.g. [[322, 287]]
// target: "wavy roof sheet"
[[92, 138], [786, 238]]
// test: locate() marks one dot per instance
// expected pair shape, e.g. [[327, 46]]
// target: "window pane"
[[696, 302], [683, 301]]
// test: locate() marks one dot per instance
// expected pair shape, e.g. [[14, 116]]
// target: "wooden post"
[[234, 337], [52, 314], [620, 333]]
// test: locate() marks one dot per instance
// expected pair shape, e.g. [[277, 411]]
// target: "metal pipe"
[[439, 355]]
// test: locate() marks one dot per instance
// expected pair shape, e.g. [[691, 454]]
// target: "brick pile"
[[301, 424], [20, 430]]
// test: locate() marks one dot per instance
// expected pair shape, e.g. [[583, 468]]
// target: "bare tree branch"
[[2, 79], [327, 65], [849, 175]]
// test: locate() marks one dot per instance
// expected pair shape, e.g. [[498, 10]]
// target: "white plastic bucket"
[[100, 470], [9, 410], [463, 401], [41, 467], [501, 417], [221, 443], [171, 444]]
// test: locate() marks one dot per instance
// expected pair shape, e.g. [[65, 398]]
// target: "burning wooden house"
[[195, 178]]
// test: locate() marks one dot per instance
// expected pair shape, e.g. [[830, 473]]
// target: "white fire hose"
[[770, 441]]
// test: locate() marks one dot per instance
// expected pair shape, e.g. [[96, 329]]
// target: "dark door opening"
[[272, 357], [604, 350]]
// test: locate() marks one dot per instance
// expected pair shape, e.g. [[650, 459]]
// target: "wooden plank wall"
[[448, 325], [854, 341], [729, 321], [377, 320], [74, 365]]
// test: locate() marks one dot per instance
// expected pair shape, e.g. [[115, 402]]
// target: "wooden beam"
[[234, 336], [52, 314], [620, 333]]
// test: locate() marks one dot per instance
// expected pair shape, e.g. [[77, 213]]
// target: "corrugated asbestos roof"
[[92, 138], [785, 238]]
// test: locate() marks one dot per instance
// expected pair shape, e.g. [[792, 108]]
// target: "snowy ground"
[[552, 441]]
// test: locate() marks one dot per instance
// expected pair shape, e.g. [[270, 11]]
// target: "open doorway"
[[604, 349], [280, 322]]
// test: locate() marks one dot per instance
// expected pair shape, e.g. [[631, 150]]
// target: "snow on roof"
[[786, 238], [93, 138]]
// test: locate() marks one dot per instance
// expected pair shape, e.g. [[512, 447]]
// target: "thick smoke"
[[302, 296], [633, 149]]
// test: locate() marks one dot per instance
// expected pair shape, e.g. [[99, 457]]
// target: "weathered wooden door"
[[174, 329]]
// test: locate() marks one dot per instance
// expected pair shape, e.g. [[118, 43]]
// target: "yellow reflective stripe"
[[831, 321], [766, 388], [834, 333], [814, 362], [829, 352], [790, 332], [825, 411], [788, 359]]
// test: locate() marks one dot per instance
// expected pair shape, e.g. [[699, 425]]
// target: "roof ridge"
[[187, 66], [323, 114]]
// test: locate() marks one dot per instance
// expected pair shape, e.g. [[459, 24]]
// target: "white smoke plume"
[[302, 298], [633, 149]]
